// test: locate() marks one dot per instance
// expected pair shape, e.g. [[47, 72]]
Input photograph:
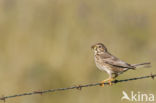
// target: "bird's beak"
[[93, 47]]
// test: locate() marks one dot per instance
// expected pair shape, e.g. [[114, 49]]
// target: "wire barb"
[[79, 87], [3, 98], [152, 76]]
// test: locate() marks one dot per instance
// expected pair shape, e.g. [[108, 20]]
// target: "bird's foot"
[[109, 80]]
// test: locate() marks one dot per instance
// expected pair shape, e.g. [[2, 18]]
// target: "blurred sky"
[[45, 44]]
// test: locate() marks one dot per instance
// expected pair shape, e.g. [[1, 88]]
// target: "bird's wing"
[[112, 60]]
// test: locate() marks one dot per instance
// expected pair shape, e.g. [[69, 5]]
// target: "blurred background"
[[45, 44]]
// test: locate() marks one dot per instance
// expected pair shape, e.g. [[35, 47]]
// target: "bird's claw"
[[107, 80]]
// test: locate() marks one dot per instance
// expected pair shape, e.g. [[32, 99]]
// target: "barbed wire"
[[79, 87]]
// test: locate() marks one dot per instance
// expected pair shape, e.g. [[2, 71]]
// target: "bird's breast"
[[101, 65]]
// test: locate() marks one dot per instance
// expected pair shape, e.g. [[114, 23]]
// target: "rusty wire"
[[74, 87]]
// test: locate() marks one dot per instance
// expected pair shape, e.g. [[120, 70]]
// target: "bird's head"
[[99, 48]]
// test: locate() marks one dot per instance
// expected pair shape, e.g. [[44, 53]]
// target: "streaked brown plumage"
[[105, 61]]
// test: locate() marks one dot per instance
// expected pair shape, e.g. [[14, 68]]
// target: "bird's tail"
[[142, 65]]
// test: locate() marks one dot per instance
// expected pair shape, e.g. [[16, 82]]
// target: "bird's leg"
[[102, 82], [109, 80]]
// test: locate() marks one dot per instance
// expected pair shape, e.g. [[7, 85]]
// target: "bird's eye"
[[100, 46]]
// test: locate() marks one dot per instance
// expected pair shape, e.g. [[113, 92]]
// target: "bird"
[[112, 65]]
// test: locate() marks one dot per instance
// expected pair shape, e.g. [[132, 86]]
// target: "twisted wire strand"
[[75, 87]]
